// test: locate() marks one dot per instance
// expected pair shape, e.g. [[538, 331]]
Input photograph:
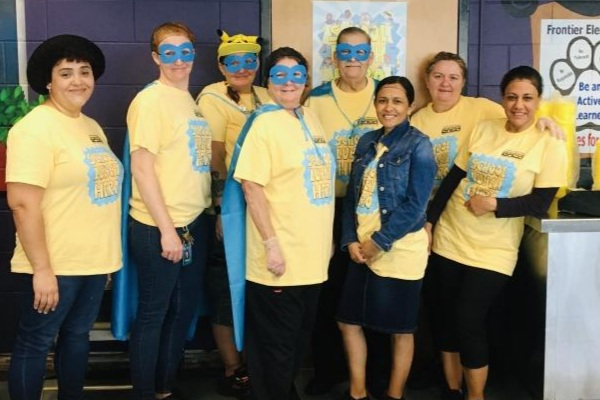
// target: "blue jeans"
[[169, 296], [78, 306]]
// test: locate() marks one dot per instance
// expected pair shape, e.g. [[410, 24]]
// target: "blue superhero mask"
[[234, 63], [346, 52], [280, 74], [170, 53]]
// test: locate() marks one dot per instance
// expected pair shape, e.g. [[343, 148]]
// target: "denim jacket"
[[405, 175]]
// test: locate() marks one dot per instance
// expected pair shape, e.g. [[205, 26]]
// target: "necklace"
[[255, 100]]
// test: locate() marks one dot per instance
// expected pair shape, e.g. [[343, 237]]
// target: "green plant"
[[13, 107]]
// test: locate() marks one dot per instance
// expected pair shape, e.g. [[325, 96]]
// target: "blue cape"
[[125, 287], [233, 217], [125, 280]]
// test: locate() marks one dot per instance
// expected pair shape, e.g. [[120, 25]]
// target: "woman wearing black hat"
[[64, 188]]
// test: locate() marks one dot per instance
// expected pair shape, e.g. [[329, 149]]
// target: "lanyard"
[[359, 121], [307, 134]]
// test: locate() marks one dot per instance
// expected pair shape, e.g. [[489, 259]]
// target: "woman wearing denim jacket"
[[384, 214]]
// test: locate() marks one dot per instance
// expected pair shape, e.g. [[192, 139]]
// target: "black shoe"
[[294, 393], [346, 396], [388, 397], [236, 385], [316, 387], [377, 388], [173, 396], [452, 394]]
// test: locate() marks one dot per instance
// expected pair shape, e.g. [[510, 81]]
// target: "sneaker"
[[236, 385]]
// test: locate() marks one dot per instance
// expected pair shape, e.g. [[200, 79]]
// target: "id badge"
[[187, 254]]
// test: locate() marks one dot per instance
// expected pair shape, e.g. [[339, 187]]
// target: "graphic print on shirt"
[[343, 145], [489, 176], [368, 202], [445, 149], [199, 143], [105, 175], [318, 176]]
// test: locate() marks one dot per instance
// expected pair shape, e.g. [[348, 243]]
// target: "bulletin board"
[[566, 51], [431, 26]]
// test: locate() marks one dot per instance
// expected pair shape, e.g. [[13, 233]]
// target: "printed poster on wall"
[[385, 22], [570, 66]]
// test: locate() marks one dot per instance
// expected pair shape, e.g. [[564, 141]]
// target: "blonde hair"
[[447, 56], [169, 29]]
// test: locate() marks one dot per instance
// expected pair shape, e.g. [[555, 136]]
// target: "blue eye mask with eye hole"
[[170, 53], [234, 63], [346, 52], [280, 74]]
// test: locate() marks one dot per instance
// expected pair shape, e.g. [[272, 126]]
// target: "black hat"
[[70, 47]]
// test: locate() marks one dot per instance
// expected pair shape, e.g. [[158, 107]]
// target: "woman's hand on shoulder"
[[45, 291], [554, 130], [356, 254], [480, 205]]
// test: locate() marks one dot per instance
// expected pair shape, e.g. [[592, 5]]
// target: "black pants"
[[465, 295], [278, 328]]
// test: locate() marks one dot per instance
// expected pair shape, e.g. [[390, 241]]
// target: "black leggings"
[[464, 295]]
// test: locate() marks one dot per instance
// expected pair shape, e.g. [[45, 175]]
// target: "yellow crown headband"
[[237, 44]]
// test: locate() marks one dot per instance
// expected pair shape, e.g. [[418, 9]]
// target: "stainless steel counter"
[[564, 254], [564, 222]]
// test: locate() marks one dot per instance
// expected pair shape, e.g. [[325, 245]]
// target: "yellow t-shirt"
[[164, 120], [345, 117], [226, 118], [499, 164], [297, 173], [69, 158], [407, 258], [450, 129]]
